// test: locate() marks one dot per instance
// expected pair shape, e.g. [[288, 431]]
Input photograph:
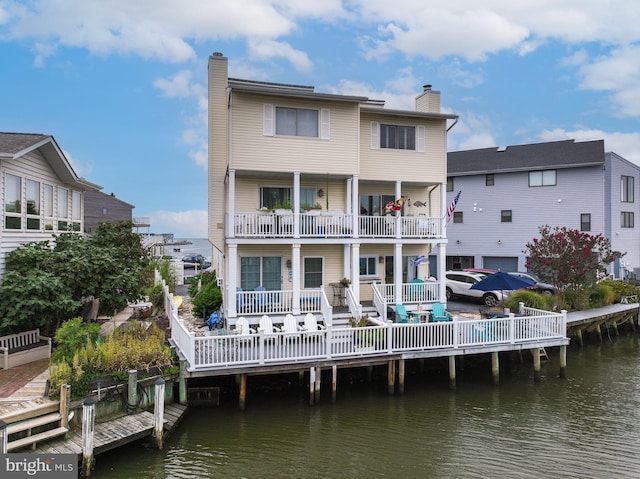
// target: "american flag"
[[452, 206]]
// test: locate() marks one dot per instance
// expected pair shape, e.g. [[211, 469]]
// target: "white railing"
[[251, 303], [328, 224], [418, 293], [228, 350]]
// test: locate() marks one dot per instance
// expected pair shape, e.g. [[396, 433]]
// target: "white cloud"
[[81, 168], [183, 224], [267, 50]]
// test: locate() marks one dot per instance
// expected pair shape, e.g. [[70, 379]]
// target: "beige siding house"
[[41, 194], [298, 184]]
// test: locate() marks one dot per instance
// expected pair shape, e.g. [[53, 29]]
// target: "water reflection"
[[585, 426]]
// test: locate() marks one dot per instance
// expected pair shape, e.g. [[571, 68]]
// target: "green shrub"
[[134, 347], [529, 298], [602, 295], [73, 334], [620, 288], [207, 298], [156, 295]]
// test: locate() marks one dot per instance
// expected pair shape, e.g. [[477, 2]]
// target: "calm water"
[[586, 426]]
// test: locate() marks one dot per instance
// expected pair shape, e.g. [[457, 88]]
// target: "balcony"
[[333, 225]]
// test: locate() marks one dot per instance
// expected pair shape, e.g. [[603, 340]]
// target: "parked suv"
[[459, 283], [196, 259]]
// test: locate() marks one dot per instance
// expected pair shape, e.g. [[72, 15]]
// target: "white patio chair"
[[311, 323], [267, 325], [243, 328]]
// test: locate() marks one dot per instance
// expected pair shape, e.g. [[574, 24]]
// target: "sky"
[[122, 85]]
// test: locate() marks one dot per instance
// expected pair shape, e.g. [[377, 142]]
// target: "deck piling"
[[452, 372], [88, 428], [182, 383], [391, 377], [401, 376], [334, 382], [3, 437], [132, 391], [243, 392], [495, 368], [563, 362], [318, 382], [535, 352], [312, 384], [158, 413]]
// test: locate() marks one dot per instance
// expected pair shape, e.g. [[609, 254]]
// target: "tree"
[[570, 259], [49, 281]]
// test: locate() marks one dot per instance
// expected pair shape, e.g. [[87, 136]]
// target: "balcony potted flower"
[[392, 206]]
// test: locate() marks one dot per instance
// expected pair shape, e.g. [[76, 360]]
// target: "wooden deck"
[[113, 433]]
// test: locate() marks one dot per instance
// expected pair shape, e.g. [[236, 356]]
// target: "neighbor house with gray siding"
[[509, 192], [41, 193], [100, 207]]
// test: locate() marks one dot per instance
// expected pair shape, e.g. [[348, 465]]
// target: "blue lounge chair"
[[438, 313], [402, 316]]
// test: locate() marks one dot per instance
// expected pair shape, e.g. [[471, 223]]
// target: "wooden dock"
[[114, 433]]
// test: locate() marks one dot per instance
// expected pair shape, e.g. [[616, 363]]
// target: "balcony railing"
[[333, 225]]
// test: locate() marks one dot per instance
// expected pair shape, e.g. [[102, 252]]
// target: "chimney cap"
[[217, 54], [426, 87]]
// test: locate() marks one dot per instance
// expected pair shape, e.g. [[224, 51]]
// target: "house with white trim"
[[320, 201], [509, 192], [42, 195]]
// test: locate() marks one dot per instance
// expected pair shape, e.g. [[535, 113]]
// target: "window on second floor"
[[369, 266], [542, 178], [627, 189], [312, 275], [457, 217], [626, 219], [489, 180], [506, 216], [585, 222], [275, 197], [287, 121], [449, 183], [397, 137], [12, 202], [372, 205]]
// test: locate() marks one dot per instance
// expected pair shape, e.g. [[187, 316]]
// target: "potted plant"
[[366, 338], [345, 282]]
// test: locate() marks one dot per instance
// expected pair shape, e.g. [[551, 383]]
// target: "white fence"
[[218, 351]]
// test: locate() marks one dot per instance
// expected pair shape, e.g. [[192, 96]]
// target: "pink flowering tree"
[[570, 259]]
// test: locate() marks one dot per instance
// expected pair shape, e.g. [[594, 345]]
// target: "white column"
[[348, 196], [346, 261], [397, 272], [231, 227], [355, 207], [355, 270], [442, 247], [296, 265], [296, 204], [232, 281]]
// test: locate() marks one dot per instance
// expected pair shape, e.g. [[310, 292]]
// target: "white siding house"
[[508, 193], [298, 183], [41, 194]]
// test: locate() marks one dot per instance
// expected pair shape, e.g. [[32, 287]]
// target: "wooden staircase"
[[34, 424]]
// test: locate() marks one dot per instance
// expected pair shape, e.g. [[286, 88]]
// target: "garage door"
[[500, 263]]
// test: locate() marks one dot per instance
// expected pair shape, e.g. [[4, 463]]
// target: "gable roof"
[[550, 155], [15, 145]]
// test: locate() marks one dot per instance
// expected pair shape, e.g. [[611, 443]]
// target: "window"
[[626, 189], [450, 184], [312, 275], [489, 180], [76, 207], [33, 205], [262, 271], [296, 122], [307, 196], [274, 197], [63, 209], [542, 178], [372, 205], [47, 206], [626, 219], [368, 266], [585, 222], [506, 216], [457, 216], [12, 202], [398, 137]]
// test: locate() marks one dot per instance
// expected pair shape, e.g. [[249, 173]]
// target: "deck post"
[[88, 428], [317, 385], [158, 413], [401, 376], [182, 382], [334, 382], [495, 367], [3, 437], [369, 374], [65, 393], [452, 372], [132, 391], [563, 361], [535, 352], [391, 377], [243, 391], [579, 334], [312, 384]]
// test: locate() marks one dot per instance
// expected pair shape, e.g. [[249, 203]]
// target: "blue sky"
[[121, 84]]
